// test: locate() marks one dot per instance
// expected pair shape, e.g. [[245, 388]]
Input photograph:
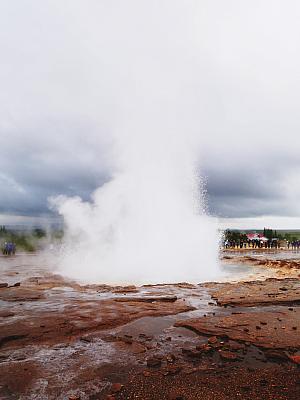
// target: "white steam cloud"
[[147, 224]]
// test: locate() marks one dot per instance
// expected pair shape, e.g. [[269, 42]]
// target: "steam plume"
[[147, 224]]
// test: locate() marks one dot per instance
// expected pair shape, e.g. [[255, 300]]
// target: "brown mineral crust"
[[99, 288], [133, 347], [125, 289], [6, 314], [17, 294], [271, 291], [16, 378], [161, 299], [276, 332], [185, 285], [50, 281], [48, 325], [182, 285], [267, 262]]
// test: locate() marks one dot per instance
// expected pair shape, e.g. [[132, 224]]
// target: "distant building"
[[257, 236]]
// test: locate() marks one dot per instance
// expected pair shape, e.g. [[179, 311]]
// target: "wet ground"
[[282, 253], [236, 339]]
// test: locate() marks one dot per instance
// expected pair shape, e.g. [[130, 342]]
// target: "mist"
[[148, 223]]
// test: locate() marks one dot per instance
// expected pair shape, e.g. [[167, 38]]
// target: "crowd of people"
[[255, 244], [9, 249], [266, 239], [295, 245]]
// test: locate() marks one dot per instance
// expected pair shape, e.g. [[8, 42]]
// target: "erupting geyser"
[[147, 224], [144, 226]]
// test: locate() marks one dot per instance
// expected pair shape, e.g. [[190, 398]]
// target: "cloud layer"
[[71, 73]]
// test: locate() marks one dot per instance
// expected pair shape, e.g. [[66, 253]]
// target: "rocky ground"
[[229, 340]]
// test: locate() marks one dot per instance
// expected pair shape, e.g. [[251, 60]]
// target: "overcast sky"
[[68, 67]]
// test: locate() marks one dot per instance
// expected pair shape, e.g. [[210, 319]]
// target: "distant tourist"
[[9, 249]]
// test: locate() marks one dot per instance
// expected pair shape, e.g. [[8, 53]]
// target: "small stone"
[[234, 346], [295, 359], [3, 285], [176, 396], [246, 388], [228, 355], [213, 340], [116, 387], [192, 353], [153, 362], [263, 382], [6, 314], [170, 358], [172, 370], [126, 339], [189, 371], [85, 339], [74, 397], [137, 348], [276, 355], [205, 348]]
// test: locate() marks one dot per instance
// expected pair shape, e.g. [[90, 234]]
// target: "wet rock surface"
[[271, 291], [62, 340], [264, 328]]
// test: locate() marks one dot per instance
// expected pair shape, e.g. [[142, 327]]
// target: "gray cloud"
[[68, 79], [62, 159], [254, 187]]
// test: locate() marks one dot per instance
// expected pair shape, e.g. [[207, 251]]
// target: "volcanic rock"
[[213, 340], [276, 355], [153, 362], [116, 387], [171, 370], [242, 328], [168, 299], [257, 293], [6, 314], [228, 355]]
